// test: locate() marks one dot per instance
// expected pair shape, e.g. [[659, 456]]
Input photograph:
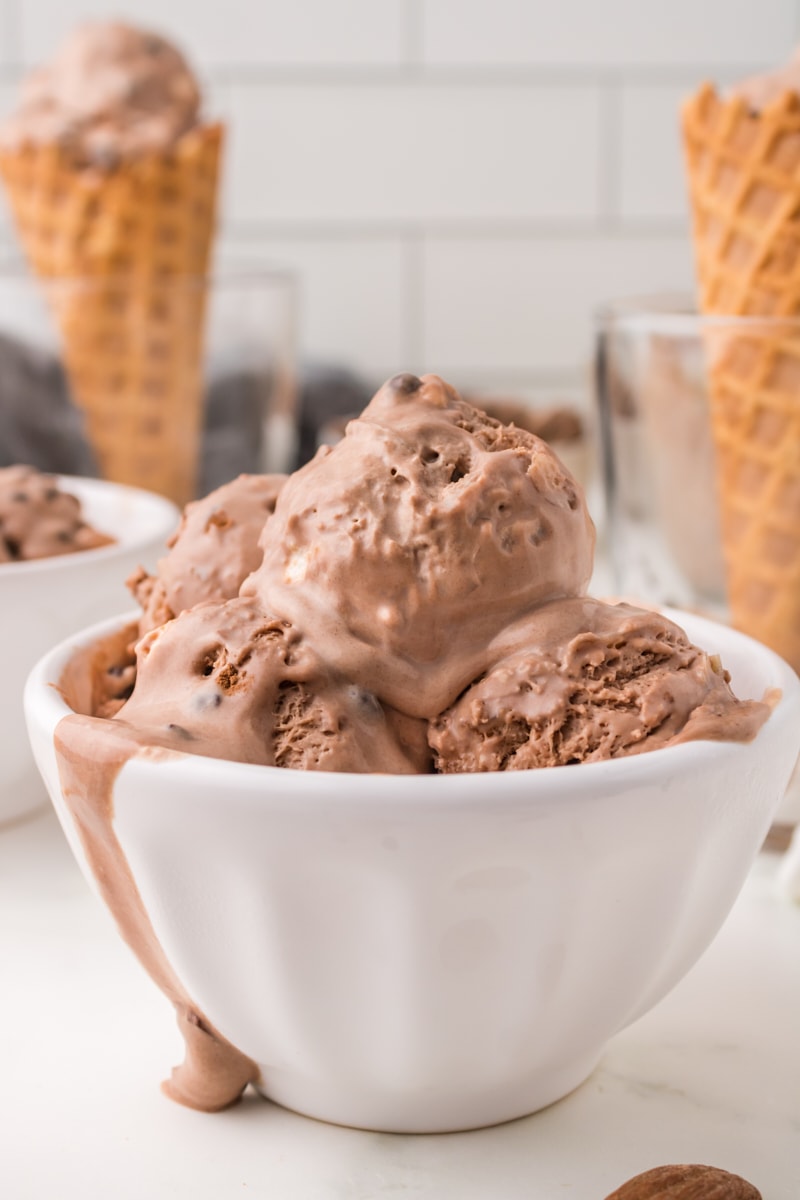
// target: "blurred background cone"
[[124, 254], [744, 181]]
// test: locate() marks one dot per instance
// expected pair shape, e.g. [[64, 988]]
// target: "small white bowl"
[[47, 599], [432, 953]]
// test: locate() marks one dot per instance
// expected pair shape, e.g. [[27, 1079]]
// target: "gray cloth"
[[40, 426], [232, 433], [326, 392]]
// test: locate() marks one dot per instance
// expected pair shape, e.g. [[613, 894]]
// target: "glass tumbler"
[[658, 459], [700, 427]]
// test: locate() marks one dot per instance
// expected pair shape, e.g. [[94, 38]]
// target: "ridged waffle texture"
[[124, 254], [744, 176]]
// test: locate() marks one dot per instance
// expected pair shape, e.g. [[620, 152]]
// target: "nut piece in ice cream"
[[40, 520], [228, 681], [406, 548], [686, 1182], [594, 681], [211, 553]]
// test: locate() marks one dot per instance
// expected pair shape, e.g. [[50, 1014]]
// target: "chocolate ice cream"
[[429, 570], [411, 545], [595, 681], [39, 519], [211, 553], [228, 681], [111, 92]]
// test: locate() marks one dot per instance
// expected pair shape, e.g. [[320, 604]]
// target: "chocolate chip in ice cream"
[[405, 383]]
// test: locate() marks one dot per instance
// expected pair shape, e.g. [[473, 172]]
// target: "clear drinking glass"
[[170, 383], [700, 428], [657, 452]]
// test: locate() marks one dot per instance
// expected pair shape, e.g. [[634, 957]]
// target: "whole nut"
[[686, 1182]]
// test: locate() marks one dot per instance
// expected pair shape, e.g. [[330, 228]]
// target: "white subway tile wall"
[[7, 45], [413, 153], [651, 184], [354, 298], [605, 33], [459, 184], [522, 303], [235, 34]]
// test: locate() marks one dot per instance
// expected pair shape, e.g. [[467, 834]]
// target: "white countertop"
[[711, 1075]]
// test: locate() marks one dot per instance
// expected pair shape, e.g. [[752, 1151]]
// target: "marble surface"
[[711, 1075]]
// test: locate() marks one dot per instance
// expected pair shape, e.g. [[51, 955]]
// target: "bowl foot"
[[428, 1110]]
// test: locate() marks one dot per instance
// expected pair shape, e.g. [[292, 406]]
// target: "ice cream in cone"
[[111, 176], [743, 161]]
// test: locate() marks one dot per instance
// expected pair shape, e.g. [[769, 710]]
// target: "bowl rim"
[[44, 707], [159, 505]]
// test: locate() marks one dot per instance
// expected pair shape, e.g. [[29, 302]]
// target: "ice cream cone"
[[124, 255], [744, 178]]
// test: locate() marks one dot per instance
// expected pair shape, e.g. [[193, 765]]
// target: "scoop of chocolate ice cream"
[[406, 548], [229, 681], [110, 92], [213, 550], [595, 681]]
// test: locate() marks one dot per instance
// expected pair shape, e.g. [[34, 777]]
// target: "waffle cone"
[[123, 256], [744, 177]]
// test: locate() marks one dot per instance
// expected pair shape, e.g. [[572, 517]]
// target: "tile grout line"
[[414, 71], [454, 230]]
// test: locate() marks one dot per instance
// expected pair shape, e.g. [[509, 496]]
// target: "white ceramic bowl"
[[45, 600], [440, 952]]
